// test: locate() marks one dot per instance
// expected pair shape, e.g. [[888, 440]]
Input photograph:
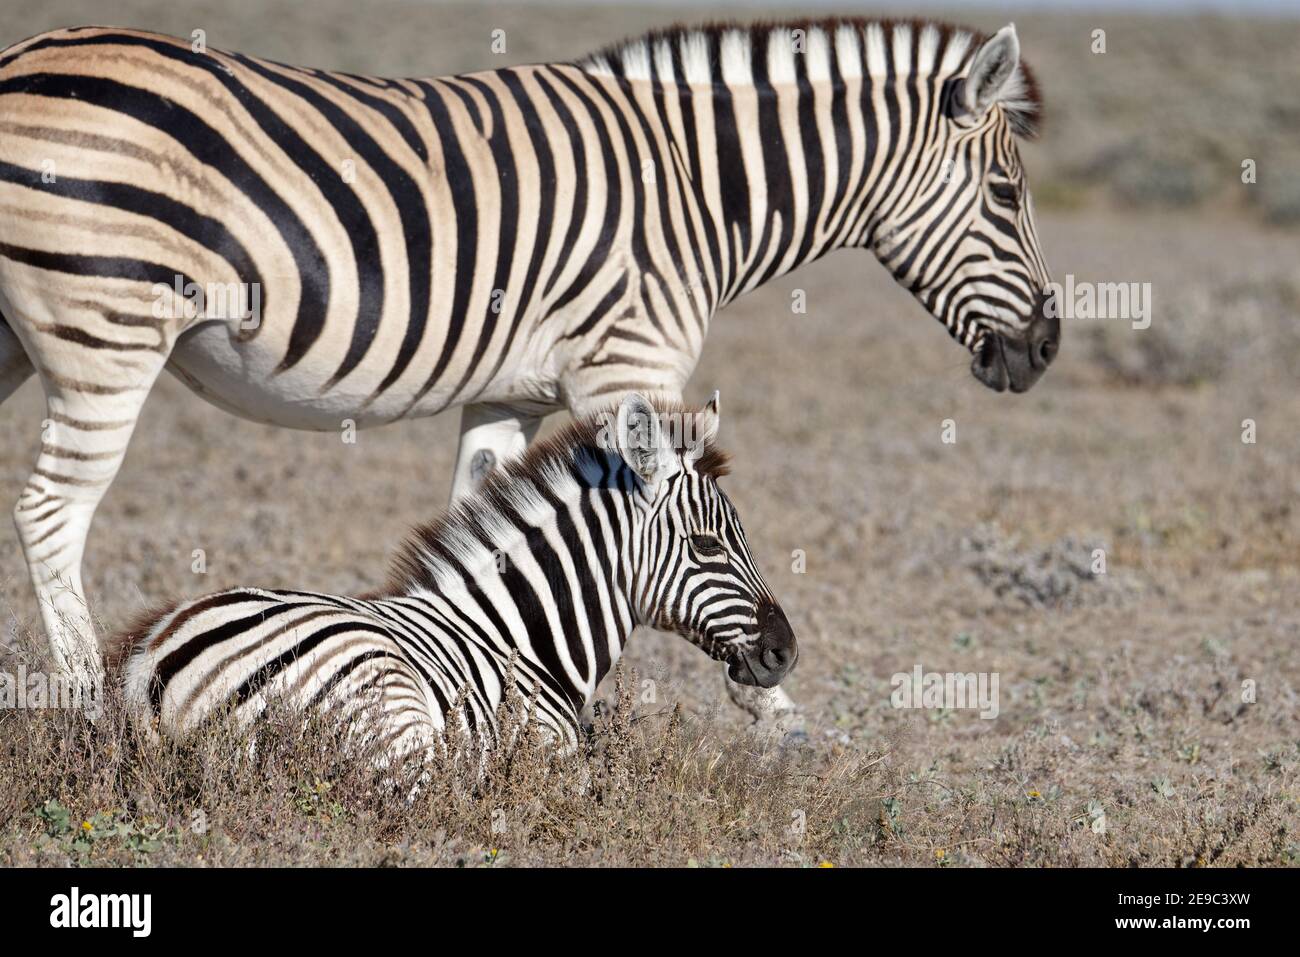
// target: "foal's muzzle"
[[772, 656]]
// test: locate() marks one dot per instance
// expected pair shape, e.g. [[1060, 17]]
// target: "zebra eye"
[[706, 544], [1005, 194]]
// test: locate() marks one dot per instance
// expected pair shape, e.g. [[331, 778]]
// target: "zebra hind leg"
[[93, 399]]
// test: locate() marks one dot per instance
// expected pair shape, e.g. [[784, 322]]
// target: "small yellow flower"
[[940, 853], [87, 826], [825, 864], [1033, 795]]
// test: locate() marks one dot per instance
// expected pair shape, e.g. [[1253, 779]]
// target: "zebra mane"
[[467, 535], [720, 51]]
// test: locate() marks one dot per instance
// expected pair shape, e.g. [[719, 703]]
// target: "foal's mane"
[[576, 456]]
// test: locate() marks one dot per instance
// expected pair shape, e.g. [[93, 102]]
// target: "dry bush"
[[1201, 332], [644, 789], [1060, 575]]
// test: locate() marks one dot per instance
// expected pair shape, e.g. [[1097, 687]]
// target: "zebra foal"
[[536, 578]]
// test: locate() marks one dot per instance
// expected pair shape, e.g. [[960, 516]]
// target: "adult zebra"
[[540, 575], [513, 241]]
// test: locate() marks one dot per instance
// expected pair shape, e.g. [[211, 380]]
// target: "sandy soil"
[[1123, 689]]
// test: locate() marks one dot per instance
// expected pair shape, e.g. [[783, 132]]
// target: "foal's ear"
[[990, 77], [707, 422], [640, 441]]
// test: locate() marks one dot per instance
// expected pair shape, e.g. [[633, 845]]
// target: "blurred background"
[[1158, 120], [971, 556]]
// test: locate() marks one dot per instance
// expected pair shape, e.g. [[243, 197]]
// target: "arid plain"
[[1148, 714]]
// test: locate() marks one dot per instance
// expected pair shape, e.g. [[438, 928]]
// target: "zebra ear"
[[991, 72], [640, 442], [706, 425]]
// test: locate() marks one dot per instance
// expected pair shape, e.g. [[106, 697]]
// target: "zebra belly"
[[241, 378]]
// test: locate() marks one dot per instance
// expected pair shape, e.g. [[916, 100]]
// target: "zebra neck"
[[580, 601], [793, 169], [551, 584]]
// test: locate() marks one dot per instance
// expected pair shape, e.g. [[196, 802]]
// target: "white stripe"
[[902, 49], [695, 59], [664, 61], [953, 56], [929, 47], [849, 52], [780, 57], [819, 56], [636, 61], [877, 62], [737, 68]]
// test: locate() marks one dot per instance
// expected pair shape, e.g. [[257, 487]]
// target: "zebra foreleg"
[[489, 435], [770, 707]]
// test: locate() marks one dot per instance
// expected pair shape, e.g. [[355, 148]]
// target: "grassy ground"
[[1122, 738]]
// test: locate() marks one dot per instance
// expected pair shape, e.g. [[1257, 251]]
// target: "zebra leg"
[[93, 399], [771, 707], [490, 433]]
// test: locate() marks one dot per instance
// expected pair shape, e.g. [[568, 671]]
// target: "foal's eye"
[[1006, 194], [706, 544]]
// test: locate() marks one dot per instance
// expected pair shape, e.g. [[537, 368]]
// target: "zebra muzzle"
[[769, 659], [1005, 363]]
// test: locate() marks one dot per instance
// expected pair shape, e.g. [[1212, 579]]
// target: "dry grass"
[[654, 787]]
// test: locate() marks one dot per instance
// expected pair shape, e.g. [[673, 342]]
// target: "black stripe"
[[507, 228], [813, 160], [391, 112], [108, 267], [733, 180], [460, 182], [208, 147], [171, 665], [414, 214], [598, 254], [256, 681], [578, 203], [208, 232]]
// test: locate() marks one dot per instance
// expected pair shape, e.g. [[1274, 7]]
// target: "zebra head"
[[963, 240], [693, 572]]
